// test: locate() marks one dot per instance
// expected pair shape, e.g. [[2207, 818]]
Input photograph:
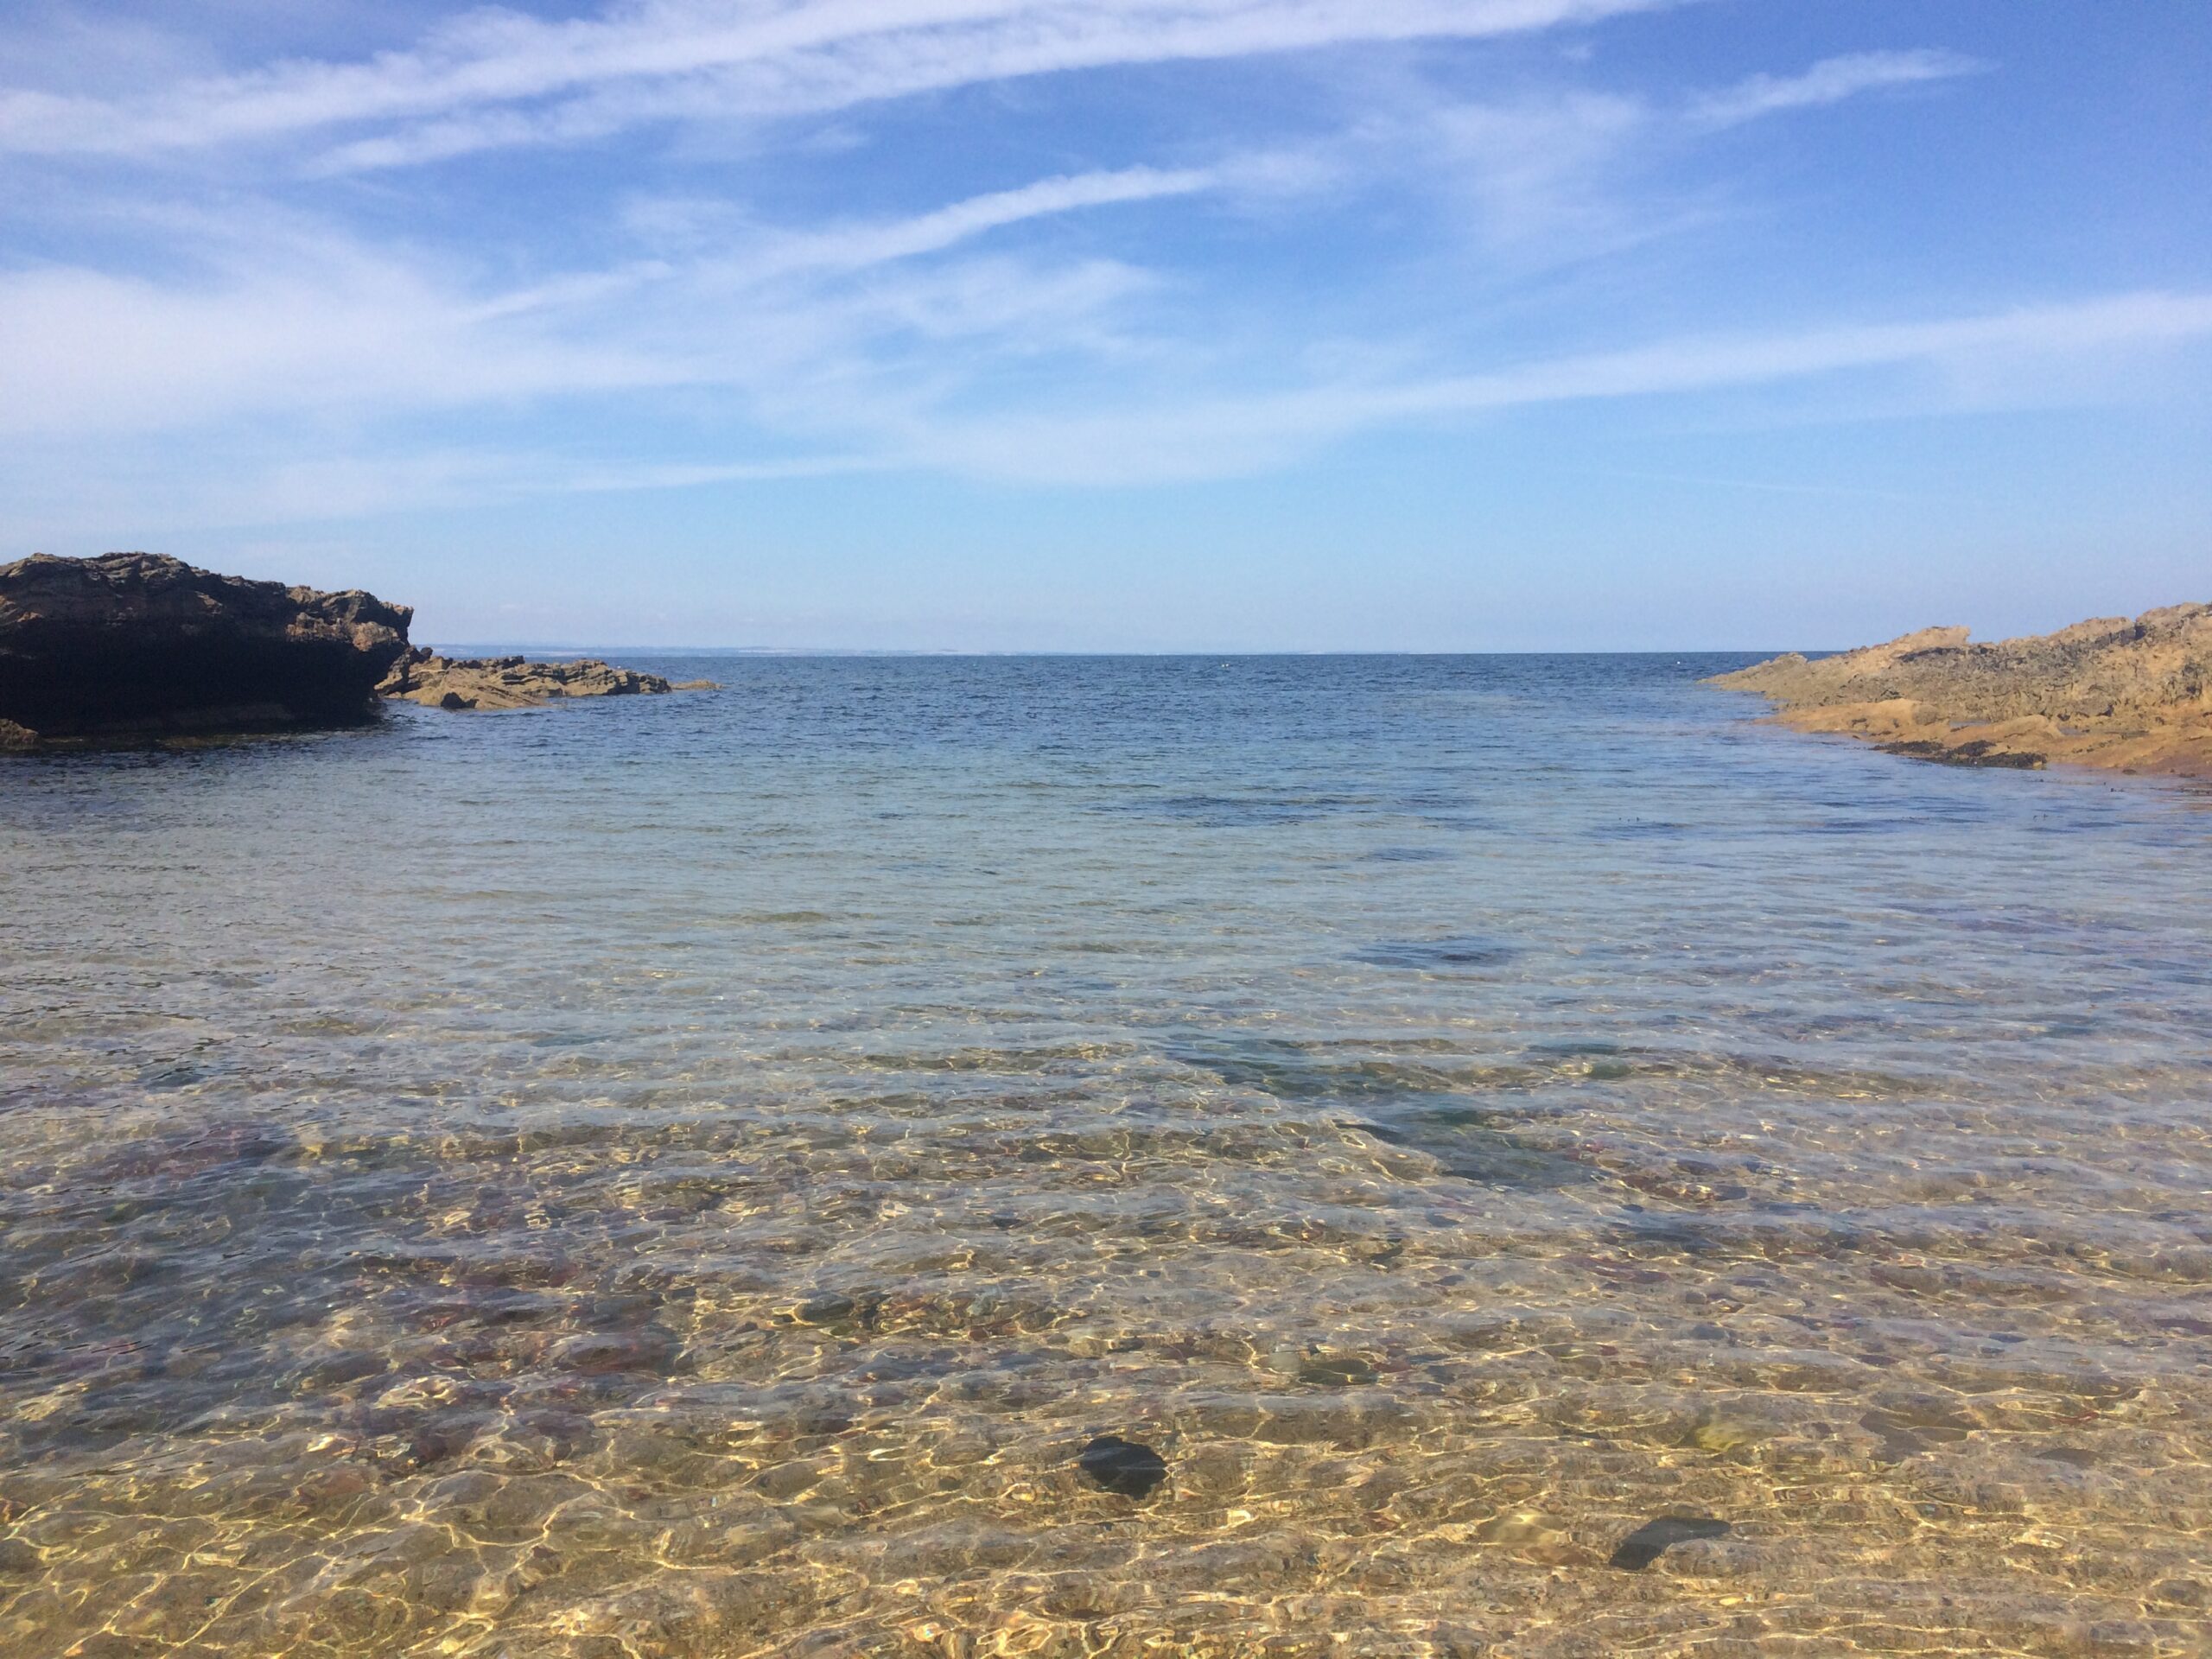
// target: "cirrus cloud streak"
[[499, 78]]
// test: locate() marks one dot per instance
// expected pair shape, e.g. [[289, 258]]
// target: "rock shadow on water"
[[174, 1157], [1412, 1107], [1241, 811], [1457, 953], [1469, 1149], [1644, 829], [1290, 1070]]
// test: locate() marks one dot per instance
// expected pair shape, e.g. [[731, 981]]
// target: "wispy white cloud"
[[1832, 80], [1226, 435], [768, 255], [1541, 169], [1557, 174], [341, 486], [498, 78], [286, 316], [345, 334], [856, 246], [89, 352]]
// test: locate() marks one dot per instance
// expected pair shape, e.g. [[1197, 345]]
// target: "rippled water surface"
[[691, 1175]]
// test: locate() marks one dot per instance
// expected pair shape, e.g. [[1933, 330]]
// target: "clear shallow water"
[[689, 1176]]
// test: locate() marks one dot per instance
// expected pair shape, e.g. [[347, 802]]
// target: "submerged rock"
[[421, 676], [1122, 1467], [137, 645], [2131, 696], [1655, 1538], [829, 1308], [1336, 1370]]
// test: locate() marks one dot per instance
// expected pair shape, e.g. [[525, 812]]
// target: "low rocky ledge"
[[2128, 696], [436, 681], [136, 647]]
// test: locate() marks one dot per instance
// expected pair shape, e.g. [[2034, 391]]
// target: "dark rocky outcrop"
[[2127, 695], [437, 682], [137, 645]]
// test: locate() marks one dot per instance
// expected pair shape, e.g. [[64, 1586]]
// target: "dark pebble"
[[1123, 1466], [1653, 1538]]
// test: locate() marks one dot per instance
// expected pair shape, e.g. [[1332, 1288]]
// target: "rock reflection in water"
[[713, 1211]]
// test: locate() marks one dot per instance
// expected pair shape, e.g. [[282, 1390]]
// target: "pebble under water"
[[1504, 1155]]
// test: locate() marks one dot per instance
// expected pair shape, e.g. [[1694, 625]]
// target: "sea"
[[1345, 1156]]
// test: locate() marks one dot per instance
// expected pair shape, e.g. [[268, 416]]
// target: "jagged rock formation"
[[135, 645], [2130, 696], [438, 682]]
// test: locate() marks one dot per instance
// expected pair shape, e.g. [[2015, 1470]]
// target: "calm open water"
[[689, 1176]]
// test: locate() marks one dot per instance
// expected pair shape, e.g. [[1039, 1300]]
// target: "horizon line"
[[508, 648]]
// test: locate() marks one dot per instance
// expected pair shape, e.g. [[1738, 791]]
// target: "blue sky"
[[1122, 324]]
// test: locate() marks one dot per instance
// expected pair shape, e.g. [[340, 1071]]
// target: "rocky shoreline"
[[2131, 696], [138, 647], [436, 681]]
